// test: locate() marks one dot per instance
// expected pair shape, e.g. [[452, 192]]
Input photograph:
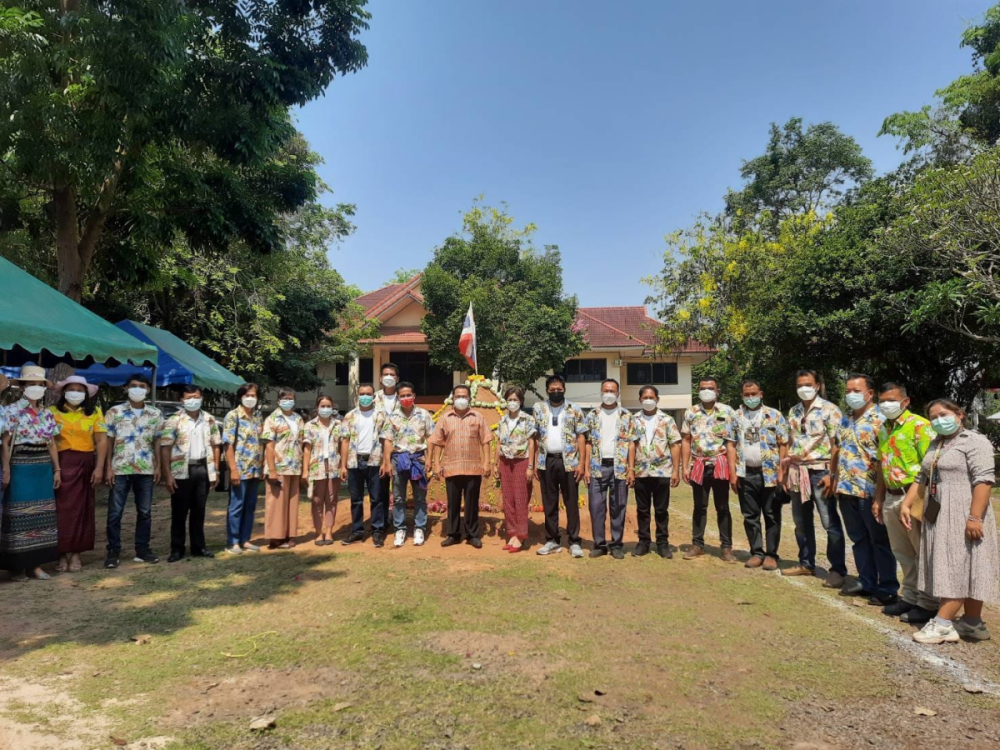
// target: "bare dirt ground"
[[452, 648]]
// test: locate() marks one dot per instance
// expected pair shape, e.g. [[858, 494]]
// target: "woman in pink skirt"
[[514, 465]]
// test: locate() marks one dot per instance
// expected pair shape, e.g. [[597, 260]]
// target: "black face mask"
[[557, 397]]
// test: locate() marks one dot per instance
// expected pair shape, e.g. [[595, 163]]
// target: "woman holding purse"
[[959, 560]]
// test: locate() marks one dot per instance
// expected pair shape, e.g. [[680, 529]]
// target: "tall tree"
[[524, 321], [143, 119]]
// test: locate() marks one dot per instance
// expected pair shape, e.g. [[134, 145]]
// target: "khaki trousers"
[[281, 508], [905, 546]]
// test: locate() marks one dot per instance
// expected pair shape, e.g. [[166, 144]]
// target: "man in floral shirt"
[[903, 440], [814, 424], [404, 436], [609, 458], [190, 442], [857, 476], [133, 465], [561, 429], [657, 451], [761, 443], [361, 465], [708, 460]]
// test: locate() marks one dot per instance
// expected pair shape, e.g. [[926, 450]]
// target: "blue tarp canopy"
[[179, 363]]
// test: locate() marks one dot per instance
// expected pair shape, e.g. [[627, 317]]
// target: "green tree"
[[402, 275], [524, 321], [130, 121], [800, 171]]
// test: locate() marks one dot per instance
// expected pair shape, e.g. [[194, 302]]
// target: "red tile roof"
[[624, 327], [377, 302], [399, 335]]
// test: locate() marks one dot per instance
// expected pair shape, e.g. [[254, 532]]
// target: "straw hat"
[[77, 380], [33, 372]]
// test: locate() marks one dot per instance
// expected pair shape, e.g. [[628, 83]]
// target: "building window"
[[651, 373], [341, 373], [416, 368], [585, 370], [366, 370]]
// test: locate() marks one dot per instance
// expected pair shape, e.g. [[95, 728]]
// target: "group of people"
[[910, 490]]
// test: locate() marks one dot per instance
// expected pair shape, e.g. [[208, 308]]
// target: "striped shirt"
[[462, 438]]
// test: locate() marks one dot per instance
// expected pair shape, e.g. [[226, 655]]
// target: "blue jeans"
[[142, 487], [358, 480], [242, 506], [872, 554], [399, 501], [805, 525]]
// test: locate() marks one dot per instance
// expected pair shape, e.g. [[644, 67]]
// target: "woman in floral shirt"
[[282, 436], [321, 467], [515, 467], [28, 529], [245, 455]]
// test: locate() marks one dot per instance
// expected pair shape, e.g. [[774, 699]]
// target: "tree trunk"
[[70, 265]]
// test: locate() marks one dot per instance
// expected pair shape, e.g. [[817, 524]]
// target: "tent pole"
[[154, 385]]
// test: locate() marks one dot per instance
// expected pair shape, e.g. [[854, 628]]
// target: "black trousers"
[[655, 492], [467, 486], [556, 479], [719, 489], [384, 493], [757, 500], [188, 501]]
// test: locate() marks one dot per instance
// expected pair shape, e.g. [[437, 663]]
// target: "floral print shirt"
[[177, 435], [408, 433], [349, 432], [320, 461], [515, 435], [770, 433], [626, 435], [134, 434], [857, 460], [652, 457], [380, 403], [709, 431], [574, 423], [286, 432], [902, 445], [813, 434], [28, 425], [243, 433]]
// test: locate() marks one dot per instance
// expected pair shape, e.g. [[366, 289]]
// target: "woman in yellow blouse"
[[82, 447]]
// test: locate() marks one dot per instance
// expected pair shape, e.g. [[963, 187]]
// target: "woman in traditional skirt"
[[82, 446], [515, 463], [28, 527]]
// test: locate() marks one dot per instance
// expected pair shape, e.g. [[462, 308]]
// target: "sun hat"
[[33, 372], [77, 380]]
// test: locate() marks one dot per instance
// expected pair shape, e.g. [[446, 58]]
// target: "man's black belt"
[[607, 462]]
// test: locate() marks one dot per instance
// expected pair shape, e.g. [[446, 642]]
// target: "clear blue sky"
[[607, 124]]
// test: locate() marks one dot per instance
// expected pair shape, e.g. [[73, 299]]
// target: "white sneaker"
[[418, 537], [400, 538], [234, 550], [935, 633], [972, 632], [250, 547], [550, 548], [576, 550]]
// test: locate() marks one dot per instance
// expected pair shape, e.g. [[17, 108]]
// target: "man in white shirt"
[[361, 465], [387, 402], [609, 458]]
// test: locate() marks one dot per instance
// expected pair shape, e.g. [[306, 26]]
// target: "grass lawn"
[[458, 648]]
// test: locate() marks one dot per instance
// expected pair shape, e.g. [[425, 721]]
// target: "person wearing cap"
[[29, 529], [82, 445]]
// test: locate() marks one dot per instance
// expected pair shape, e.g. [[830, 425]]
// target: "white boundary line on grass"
[[944, 665]]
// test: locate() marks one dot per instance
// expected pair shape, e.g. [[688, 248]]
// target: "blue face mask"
[[365, 401], [855, 400], [946, 425], [287, 404], [752, 402]]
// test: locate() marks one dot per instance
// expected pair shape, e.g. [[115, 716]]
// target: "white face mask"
[[461, 404], [325, 411], [34, 392], [75, 398], [707, 396], [806, 393], [513, 406], [891, 409], [137, 394], [388, 381], [609, 399], [249, 401], [192, 404], [649, 404]]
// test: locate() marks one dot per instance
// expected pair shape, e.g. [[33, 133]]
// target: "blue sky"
[[607, 124]]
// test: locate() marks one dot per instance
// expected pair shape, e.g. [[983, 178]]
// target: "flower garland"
[[475, 382]]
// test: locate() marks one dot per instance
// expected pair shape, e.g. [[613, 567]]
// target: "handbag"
[[223, 483], [933, 506]]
